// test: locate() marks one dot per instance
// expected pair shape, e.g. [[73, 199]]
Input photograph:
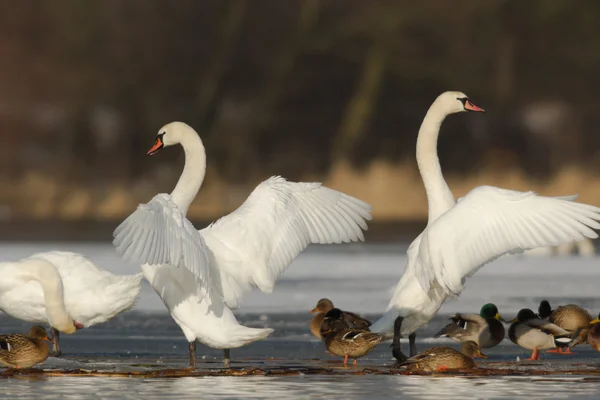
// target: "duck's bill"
[[158, 144], [595, 321], [472, 107], [499, 318], [314, 310], [512, 321], [480, 354]]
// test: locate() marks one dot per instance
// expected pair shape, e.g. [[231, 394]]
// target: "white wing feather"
[[489, 222], [254, 244], [158, 233]]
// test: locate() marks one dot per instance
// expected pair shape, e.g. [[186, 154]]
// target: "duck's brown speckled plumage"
[[340, 340], [443, 358], [18, 350], [593, 337], [570, 317], [323, 307]]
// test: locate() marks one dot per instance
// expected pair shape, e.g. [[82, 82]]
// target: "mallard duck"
[[444, 358], [18, 350], [346, 342], [570, 317], [485, 329], [593, 337], [326, 305], [533, 333]]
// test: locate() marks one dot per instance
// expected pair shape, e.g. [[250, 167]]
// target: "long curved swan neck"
[[47, 275], [193, 172], [439, 196]]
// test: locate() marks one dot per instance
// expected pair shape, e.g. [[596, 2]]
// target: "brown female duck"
[[438, 358], [570, 317], [346, 342], [444, 358], [593, 337], [18, 350], [323, 307]]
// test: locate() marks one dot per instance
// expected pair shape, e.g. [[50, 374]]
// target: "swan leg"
[[226, 359], [396, 351], [56, 352], [193, 354], [412, 340]]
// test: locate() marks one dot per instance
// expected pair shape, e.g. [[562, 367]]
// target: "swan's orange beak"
[[472, 107], [158, 144]]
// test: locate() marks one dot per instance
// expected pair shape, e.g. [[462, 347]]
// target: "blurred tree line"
[[294, 87]]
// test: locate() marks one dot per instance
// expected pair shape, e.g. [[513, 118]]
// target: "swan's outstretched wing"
[[489, 222], [158, 233], [254, 244]]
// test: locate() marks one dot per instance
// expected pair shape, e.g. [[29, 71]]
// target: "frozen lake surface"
[[356, 277]]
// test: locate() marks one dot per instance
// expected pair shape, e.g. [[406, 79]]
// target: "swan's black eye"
[[463, 100]]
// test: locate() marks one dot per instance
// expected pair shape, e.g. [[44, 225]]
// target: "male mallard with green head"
[[346, 342], [18, 350], [533, 333], [570, 317], [323, 307], [486, 328]]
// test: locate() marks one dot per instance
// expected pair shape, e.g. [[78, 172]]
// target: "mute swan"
[[463, 236], [56, 287], [200, 274]]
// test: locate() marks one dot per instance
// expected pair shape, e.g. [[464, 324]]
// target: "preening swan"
[[200, 274], [463, 236], [58, 287]]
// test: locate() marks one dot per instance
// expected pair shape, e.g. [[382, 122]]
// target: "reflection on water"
[[299, 387]]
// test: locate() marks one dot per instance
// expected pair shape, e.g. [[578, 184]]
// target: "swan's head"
[[455, 102], [171, 134]]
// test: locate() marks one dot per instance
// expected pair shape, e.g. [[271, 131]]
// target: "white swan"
[[200, 274], [56, 287], [463, 236]]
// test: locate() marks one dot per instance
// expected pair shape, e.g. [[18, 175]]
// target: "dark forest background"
[[330, 90]]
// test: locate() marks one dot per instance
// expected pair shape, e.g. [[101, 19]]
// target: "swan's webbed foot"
[[192, 354], [55, 352]]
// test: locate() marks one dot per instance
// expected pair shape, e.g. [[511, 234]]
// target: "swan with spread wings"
[[199, 275]]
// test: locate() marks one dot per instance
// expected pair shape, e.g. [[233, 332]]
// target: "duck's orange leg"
[[346, 360], [567, 350], [442, 369], [354, 363], [535, 355]]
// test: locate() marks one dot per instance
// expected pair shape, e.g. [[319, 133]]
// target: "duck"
[[59, 287], [342, 341], [570, 317], [463, 236], [533, 333], [593, 337], [435, 359], [323, 307], [444, 358], [18, 350], [486, 328], [201, 274]]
